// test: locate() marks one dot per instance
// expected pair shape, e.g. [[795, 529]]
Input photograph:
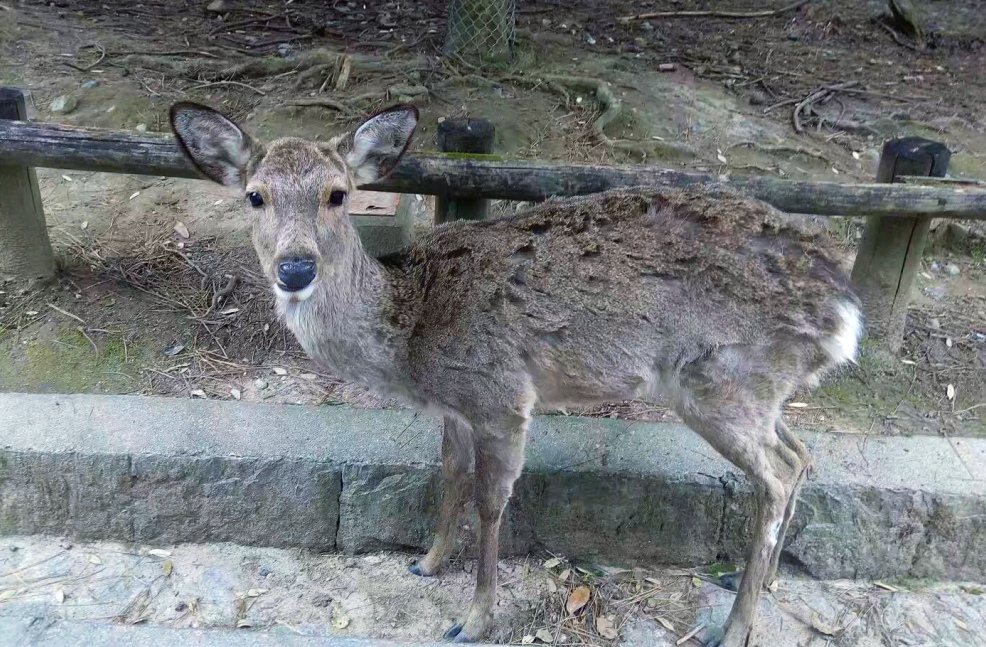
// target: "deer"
[[709, 299]]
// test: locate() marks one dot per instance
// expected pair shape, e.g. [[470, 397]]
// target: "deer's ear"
[[215, 145], [380, 142]]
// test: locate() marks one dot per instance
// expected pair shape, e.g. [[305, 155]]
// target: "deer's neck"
[[345, 327]]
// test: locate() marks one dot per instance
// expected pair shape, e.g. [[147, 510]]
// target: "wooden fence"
[[898, 214]]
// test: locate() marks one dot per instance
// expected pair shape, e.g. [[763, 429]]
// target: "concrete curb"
[[46, 632], [157, 470]]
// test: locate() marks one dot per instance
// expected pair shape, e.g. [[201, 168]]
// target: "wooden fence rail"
[[480, 176], [886, 264]]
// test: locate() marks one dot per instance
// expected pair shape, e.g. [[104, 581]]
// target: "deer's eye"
[[255, 199], [336, 198]]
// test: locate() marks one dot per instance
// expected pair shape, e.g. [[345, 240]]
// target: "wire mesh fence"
[[481, 30]]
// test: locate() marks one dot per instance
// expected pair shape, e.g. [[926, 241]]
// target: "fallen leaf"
[[198, 393], [134, 195], [886, 587], [606, 629], [339, 618], [157, 552], [217, 202], [772, 587], [961, 625], [563, 576], [171, 351], [280, 371], [527, 640], [721, 158], [551, 563], [908, 362], [666, 623], [552, 587], [181, 229], [855, 155], [373, 559], [820, 626], [797, 405], [308, 376], [6, 595], [31, 313], [92, 559], [696, 582], [66, 178], [235, 393], [948, 342], [230, 311], [577, 599], [544, 636], [243, 623], [256, 593], [59, 596], [168, 568], [653, 602], [950, 392], [85, 224]]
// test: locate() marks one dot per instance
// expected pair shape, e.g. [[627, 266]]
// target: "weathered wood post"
[[25, 251], [463, 135], [890, 252]]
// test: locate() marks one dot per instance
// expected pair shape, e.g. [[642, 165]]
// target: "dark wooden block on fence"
[[890, 252], [25, 251], [463, 135]]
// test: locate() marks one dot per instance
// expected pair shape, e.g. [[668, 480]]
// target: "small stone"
[[181, 605], [216, 6], [141, 128], [265, 570], [284, 50], [322, 600], [935, 267], [952, 269], [259, 384], [936, 292], [89, 85], [64, 104], [757, 98], [666, 67]]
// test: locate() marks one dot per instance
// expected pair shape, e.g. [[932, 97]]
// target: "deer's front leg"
[[499, 460], [457, 447]]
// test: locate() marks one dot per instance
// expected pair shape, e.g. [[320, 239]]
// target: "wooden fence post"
[[890, 252], [25, 251], [463, 135]]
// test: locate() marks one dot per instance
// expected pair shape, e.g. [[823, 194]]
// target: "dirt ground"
[[264, 589], [140, 307]]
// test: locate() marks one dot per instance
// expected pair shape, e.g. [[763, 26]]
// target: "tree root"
[[309, 64], [612, 107]]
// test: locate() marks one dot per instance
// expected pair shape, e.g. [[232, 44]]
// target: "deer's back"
[[614, 283]]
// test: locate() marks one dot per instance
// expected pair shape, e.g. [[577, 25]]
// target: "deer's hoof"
[[711, 636], [453, 633], [418, 568]]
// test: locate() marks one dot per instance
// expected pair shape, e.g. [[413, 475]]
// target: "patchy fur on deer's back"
[[623, 278]]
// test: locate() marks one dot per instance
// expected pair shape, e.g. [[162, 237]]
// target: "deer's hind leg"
[[795, 445], [457, 448], [737, 410]]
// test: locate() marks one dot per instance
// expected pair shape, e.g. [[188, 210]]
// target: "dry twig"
[[715, 14]]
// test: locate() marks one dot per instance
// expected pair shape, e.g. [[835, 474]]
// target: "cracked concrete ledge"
[[156, 470], [42, 632]]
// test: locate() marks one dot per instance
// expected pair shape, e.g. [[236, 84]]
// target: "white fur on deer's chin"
[[284, 297]]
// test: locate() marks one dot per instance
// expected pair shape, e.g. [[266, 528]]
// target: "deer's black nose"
[[296, 273]]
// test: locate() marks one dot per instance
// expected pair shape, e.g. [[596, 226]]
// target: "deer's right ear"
[[215, 145]]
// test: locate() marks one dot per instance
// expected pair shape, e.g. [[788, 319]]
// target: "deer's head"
[[297, 190]]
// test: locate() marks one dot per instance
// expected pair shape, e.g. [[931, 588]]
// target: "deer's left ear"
[[380, 142]]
